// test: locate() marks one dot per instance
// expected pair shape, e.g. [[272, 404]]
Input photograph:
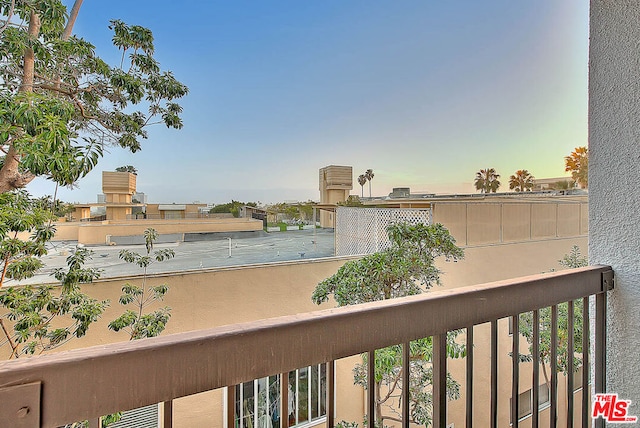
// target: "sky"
[[424, 92]]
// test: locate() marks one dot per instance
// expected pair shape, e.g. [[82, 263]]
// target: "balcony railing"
[[53, 390]]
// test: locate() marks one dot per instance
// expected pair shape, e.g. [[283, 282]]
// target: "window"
[[577, 379], [258, 402], [525, 401]]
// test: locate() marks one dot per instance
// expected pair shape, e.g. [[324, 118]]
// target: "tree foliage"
[[406, 268], [573, 259], [487, 180], [41, 318], [127, 168], [135, 321], [521, 181], [232, 207], [362, 180], [562, 185], [352, 201], [60, 104], [578, 164], [368, 174]]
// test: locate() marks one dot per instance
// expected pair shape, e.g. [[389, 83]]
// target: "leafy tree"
[[352, 201], [232, 207], [19, 214], [127, 168], [42, 318], [55, 206], [406, 267], [572, 260], [362, 180], [306, 210], [578, 164], [521, 181], [562, 185], [60, 103], [137, 323], [487, 180], [369, 176]]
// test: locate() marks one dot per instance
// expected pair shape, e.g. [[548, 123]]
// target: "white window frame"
[[293, 389]]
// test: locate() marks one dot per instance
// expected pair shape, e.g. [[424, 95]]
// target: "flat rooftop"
[[193, 256]]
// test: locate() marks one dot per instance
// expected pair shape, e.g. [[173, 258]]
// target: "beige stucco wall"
[[481, 223], [209, 298]]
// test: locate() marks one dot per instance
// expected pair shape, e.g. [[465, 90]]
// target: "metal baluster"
[[600, 357], [586, 399], [494, 374], [331, 391], [553, 411], [284, 404], [469, 348], [570, 355], [440, 380], [405, 384], [231, 406], [515, 369], [371, 386], [535, 414], [168, 414]]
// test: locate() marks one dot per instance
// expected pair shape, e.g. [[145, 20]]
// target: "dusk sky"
[[423, 92]]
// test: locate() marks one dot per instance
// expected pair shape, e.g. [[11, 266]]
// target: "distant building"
[[139, 197], [336, 182], [540, 184]]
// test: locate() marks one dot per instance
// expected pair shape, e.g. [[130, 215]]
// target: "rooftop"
[[275, 247]]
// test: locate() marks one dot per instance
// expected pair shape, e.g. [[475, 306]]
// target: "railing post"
[[570, 355], [371, 388], [168, 414], [440, 380], [515, 369], [284, 403], [586, 366], [331, 390], [469, 350], [535, 411], [553, 411], [494, 374], [405, 384], [231, 406], [600, 357]]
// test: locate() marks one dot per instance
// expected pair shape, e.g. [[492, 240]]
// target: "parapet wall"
[[92, 233], [481, 223]]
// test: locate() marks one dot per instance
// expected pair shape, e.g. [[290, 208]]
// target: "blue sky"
[[424, 92]]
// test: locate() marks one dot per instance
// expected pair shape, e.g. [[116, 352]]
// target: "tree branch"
[[9, 16], [14, 347], [72, 20]]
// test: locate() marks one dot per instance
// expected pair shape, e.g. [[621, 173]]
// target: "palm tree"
[[369, 176], [362, 180], [487, 180], [521, 181], [578, 164]]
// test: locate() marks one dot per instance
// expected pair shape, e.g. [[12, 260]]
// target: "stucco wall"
[[614, 160], [481, 223]]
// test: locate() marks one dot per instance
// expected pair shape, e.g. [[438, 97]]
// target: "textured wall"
[[614, 195]]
